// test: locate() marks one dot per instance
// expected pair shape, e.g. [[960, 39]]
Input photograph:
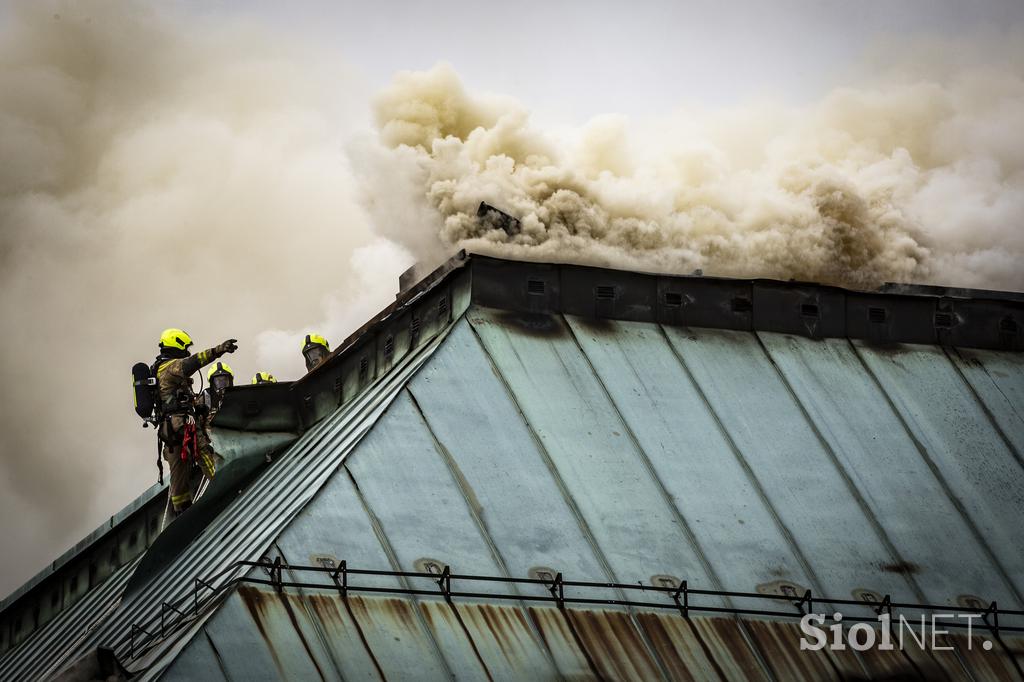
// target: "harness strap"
[[189, 442], [159, 462]]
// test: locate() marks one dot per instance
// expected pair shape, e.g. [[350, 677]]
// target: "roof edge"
[[90, 540], [894, 314]]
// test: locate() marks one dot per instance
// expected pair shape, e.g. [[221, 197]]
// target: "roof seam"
[[929, 461], [985, 409], [833, 459], [567, 497], [755, 482], [461, 483], [645, 462], [549, 463], [389, 551]]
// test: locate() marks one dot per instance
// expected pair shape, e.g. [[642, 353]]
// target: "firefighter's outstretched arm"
[[194, 363]]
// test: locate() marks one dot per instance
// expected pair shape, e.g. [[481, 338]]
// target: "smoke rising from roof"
[[917, 176], [157, 173], [224, 179]]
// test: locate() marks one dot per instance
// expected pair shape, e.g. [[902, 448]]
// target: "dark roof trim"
[[402, 301], [973, 319]]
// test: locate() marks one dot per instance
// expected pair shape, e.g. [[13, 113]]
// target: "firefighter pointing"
[[175, 413]]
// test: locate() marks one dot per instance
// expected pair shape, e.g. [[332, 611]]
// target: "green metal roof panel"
[[892, 477], [526, 439], [616, 451]]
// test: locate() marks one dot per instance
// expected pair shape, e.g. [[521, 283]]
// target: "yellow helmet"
[[264, 378], [175, 338], [314, 340], [220, 368]]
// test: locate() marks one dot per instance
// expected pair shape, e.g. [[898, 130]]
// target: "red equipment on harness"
[[189, 442]]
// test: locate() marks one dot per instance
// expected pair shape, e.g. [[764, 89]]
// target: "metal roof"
[[529, 419], [242, 530], [315, 634], [619, 451]]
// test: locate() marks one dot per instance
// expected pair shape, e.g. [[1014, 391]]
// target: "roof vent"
[[364, 367], [1009, 325], [781, 588], [605, 292], [428, 565], [666, 581], [673, 299], [442, 308], [809, 310], [943, 320], [389, 346], [324, 560], [741, 304], [877, 315], [970, 601], [414, 330], [543, 573], [869, 596], [535, 287]]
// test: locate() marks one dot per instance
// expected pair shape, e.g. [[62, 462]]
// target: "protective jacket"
[[184, 443]]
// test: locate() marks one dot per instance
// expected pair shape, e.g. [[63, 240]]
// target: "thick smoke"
[[157, 173], [917, 177]]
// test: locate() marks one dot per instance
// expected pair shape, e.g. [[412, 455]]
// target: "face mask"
[[221, 382], [314, 356]]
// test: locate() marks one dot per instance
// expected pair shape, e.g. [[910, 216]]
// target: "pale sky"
[[569, 61]]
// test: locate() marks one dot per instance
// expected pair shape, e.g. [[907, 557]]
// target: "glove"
[[229, 346]]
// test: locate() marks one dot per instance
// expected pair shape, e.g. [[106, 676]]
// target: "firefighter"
[[220, 377], [264, 378], [315, 350], [184, 443]]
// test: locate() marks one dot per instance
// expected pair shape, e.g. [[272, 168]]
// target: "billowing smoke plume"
[[155, 173], [917, 178]]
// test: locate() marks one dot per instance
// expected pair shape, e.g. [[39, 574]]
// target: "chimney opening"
[[535, 287], [673, 299], [605, 293], [877, 315]]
